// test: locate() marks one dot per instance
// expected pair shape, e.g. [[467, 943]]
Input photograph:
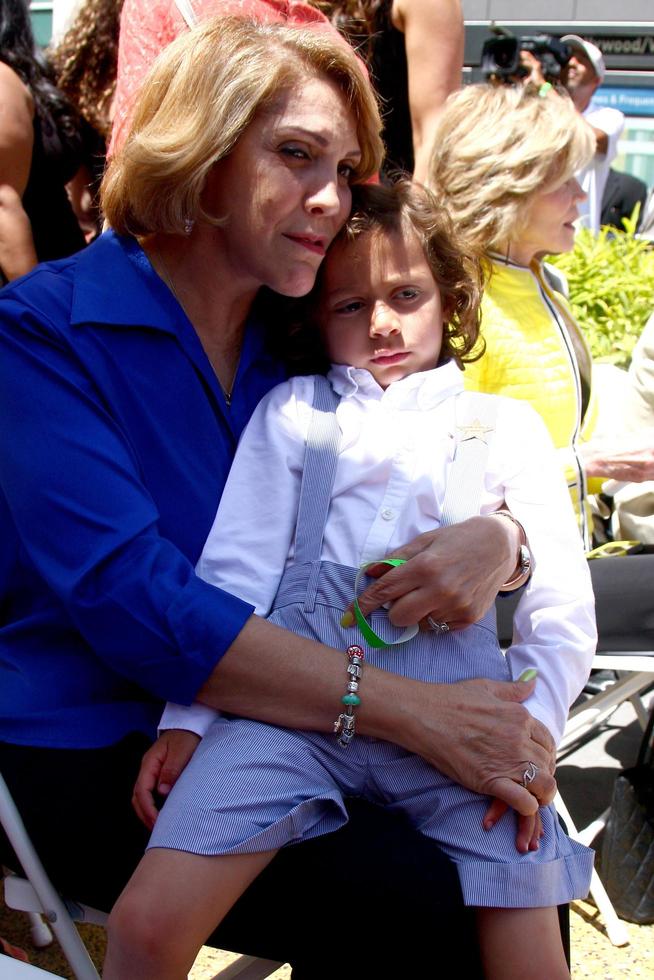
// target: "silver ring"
[[529, 774], [437, 627]]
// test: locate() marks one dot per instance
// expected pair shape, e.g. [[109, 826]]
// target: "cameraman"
[[585, 74], [581, 74]]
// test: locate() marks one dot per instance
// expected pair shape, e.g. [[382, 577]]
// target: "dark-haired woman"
[[39, 153], [84, 64], [414, 51]]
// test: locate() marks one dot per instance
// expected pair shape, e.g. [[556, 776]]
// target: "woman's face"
[[549, 223], [285, 189]]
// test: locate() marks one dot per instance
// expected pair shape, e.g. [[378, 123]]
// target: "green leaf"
[[611, 282]]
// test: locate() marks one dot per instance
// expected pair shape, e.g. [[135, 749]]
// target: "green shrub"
[[611, 280]]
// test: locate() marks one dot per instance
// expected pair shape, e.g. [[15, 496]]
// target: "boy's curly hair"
[[398, 207]]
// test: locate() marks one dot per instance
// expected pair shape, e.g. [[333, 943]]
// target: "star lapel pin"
[[474, 431]]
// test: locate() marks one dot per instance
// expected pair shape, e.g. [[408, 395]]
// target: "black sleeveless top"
[[55, 229], [388, 67]]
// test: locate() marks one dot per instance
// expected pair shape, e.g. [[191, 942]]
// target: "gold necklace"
[[168, 279]]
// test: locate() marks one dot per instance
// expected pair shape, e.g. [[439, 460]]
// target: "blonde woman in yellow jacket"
[[503, 163], [536, 352]]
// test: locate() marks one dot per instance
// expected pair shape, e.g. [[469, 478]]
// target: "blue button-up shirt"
[[115, 443]]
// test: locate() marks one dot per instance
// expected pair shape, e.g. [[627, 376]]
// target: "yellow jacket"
[[535, 352]]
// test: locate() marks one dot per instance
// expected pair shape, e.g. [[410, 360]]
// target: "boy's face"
[[380, 308]]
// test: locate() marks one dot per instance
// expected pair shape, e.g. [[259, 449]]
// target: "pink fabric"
[[147, 26]]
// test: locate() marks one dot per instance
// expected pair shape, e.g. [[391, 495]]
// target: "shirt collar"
[[415, 392], [501, 262], [518, 278], [114, 283]]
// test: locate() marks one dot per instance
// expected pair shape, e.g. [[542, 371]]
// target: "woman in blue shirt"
[[127, 374]]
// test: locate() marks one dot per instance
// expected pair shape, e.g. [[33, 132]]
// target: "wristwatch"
[[523, 570], [524, 559]]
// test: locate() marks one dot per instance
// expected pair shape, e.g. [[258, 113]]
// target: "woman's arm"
[[475, 731], [17, 253], [624, 449], [88, 516], [629, 459], [433, 33]]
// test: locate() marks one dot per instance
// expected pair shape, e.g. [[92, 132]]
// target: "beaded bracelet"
[[344, 724]]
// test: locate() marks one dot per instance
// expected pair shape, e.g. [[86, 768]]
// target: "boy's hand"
[[162, 765], [530, 828]]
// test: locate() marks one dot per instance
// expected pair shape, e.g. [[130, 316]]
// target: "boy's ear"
[[447, 310]]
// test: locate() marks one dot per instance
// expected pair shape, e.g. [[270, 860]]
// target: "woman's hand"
[[478, 734], [452, 574], [160, 769], [632, 461]]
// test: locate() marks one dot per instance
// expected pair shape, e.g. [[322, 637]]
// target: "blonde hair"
[[496, 148], [201, 95]]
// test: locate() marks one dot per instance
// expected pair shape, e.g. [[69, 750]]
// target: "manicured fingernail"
[[164, 789], [528, 674], [347, 619], [488, 823]]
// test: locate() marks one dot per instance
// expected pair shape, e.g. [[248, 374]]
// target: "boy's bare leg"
[[172, 902], [519, 943]]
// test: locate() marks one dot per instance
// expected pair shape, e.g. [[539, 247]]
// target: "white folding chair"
[[36, 896], [11, 969], [35, 893]]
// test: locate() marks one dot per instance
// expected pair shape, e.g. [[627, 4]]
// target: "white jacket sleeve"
[[554, 624]]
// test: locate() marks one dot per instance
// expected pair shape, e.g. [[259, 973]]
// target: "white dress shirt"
[[396, 449]]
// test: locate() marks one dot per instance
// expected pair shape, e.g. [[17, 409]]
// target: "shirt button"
[[388, 514]]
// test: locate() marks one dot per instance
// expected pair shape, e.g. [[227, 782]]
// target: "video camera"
[[500, 57]]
